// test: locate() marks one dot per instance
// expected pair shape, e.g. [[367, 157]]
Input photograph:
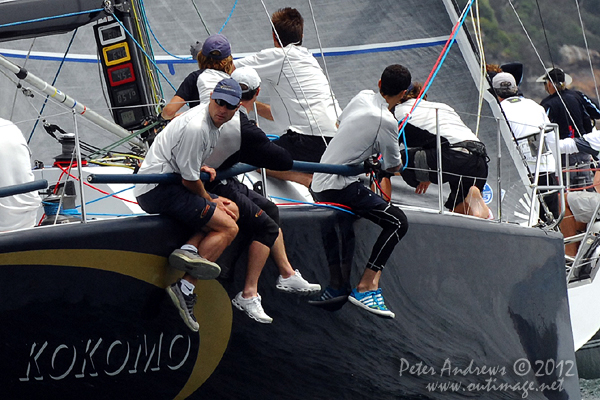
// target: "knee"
[[267, 232]]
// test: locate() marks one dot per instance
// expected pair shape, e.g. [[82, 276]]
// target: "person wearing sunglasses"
[[245, 142], [182, 148]]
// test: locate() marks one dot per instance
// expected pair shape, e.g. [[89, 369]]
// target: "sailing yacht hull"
[[85, 315]]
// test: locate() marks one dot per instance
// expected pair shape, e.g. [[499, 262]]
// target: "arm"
[[197, 187], [170, 110], [258, 150], [264, 110]]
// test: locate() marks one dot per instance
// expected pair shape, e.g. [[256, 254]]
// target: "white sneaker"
[[297, 284], [252, 307]]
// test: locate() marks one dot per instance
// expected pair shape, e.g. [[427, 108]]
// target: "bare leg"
[[369, 280], [570, 227], [257, 257], [280, 257], [473, 205], [294, 176]]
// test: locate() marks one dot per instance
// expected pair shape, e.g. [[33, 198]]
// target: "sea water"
[[590, 389]]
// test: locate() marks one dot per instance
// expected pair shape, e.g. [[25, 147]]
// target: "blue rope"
[[53, 83], [452, 40], [143, 51], [108, 195], [147, 23], [49, 18], [229, 16]]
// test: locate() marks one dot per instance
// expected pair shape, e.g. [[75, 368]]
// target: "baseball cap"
[[228, 90], [504, 80], [216, 47], [246, 76], [557, 75]]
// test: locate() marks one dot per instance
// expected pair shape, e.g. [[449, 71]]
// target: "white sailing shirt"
[[366, 127], [18, 211], [300, 96], [181, 148], [230, 138], [525, 117]]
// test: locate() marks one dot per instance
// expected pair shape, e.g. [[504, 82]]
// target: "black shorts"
[[461, 170], [356, 196], [253, 218], [304, 147], [175, 201]]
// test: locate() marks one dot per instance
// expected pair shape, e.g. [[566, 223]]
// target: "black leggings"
[[394, 224]]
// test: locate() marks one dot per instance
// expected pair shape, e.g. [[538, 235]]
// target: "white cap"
[[504, 80], [246, 76]]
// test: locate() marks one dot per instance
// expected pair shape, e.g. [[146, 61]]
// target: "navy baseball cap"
[[216, 47], [228, 90]]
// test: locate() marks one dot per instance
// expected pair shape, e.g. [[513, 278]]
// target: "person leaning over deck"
[[527, 117], [302, 103], [367, 127], [573, 111], [464, 159], [214, 62], [245, 142], [20, 210], [182, 147]]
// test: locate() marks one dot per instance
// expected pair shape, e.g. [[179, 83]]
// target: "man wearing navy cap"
[[181, 148]]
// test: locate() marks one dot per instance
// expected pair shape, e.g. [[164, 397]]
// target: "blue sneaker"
[[372, 301]]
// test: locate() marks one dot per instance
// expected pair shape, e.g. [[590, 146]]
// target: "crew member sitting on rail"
[[367, 127], [259, 216], [182, 148], [464, 159]]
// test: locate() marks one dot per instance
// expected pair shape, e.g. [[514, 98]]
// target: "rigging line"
[[542, 63], [312, 13], [545, 33], [587, 50], [437, 65], [158, 41], [201, 19], [19, 81], [285, 57], [476, 21], [228, 17], [53, 17], [143, 51], [139, 8], [62, 62]]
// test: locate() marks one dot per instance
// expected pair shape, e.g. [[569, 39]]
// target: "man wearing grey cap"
[[182, 148], [525, 117], [573, 111]]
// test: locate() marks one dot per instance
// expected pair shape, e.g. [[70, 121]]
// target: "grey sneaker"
[[185, 305], [296, 284], [194, 264], [252, 307]]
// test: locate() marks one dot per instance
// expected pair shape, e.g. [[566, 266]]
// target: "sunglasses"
[[223, 103]]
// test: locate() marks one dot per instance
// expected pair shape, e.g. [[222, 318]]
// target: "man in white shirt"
[[302, 104], [368, 127], [526, 117], [20, 210], [181, 148]]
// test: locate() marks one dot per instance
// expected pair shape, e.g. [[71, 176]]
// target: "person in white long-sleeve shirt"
[[18, 211], [302, 104]]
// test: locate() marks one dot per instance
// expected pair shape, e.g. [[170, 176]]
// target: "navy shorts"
[[303, 147], [175, 201]]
